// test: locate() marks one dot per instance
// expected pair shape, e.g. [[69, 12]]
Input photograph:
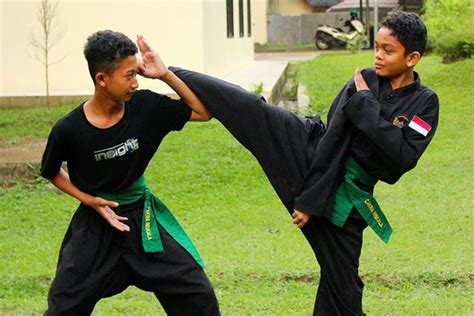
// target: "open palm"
[[150, 65]]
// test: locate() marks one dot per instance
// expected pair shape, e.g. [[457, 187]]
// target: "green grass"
[[284, 48], [18, 125], [257, 261]]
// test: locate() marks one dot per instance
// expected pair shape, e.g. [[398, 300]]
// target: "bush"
[[450, 31], [453, 48]]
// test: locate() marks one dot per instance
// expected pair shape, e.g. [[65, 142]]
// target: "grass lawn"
[[257, 261], [268, 48], [18, 126]]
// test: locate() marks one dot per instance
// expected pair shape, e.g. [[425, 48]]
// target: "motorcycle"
[[327, 37]]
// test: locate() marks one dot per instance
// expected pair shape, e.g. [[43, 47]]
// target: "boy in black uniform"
[[378, 127], [121, 234]]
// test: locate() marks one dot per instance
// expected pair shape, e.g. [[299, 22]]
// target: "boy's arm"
[[151, 66], [101, 206], [199, 111], [404, 147]]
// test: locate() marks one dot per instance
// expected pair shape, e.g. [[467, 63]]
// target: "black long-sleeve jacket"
[[374, 127]]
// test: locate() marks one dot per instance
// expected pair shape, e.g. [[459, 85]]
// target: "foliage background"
[[450, 25]]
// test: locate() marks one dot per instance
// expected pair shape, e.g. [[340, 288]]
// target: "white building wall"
[[294, 7], [222, 54], [181, 31], [259, 21]]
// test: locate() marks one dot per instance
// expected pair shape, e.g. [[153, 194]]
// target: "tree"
[[449, 24], [47, 38]]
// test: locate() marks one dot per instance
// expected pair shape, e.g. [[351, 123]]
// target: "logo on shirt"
[[119, 150], [400, 120], [420, 126]]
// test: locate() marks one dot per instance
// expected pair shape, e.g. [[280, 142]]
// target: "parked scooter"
[[327, 37]]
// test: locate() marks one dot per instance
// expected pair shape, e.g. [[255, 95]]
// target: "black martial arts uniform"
[[95, 259], [305, 161]]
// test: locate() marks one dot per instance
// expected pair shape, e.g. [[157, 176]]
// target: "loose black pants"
[[97, 261], [282, 143]]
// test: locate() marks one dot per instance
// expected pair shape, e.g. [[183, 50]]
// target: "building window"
[[230, 18], [249, 20], [241, 18]]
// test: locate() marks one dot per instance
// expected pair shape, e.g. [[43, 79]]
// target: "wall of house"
[[187, 33], [295, 30], [223, 55], [294, 7], [259, 21]]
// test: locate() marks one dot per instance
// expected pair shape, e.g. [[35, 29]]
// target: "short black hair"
[[409, 29], [105, 50]]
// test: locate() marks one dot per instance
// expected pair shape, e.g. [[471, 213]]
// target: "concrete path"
[[267, 68], [29, 152]]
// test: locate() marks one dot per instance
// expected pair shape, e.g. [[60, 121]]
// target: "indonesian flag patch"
[[420, 126]]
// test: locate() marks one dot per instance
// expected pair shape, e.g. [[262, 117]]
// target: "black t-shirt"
[[110, 159]]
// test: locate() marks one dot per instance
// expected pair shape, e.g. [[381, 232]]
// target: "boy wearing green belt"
[[378, 127], [122, 234]]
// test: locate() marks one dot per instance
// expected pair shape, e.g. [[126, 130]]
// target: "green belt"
[[154, 212], [349, 195]]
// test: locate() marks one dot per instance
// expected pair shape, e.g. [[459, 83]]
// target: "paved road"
[[29, 152]]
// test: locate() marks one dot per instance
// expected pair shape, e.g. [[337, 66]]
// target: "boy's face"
[[122, 82], [390, 59]]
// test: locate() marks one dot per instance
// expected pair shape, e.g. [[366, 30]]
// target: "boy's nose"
[[378, 55]]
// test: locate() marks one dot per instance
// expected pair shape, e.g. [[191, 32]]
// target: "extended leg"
[[275, 136]]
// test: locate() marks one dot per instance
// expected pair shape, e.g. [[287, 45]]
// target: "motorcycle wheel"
[[322, 43], [363, 42], [366, 44]]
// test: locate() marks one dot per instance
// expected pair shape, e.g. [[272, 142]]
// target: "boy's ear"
[[413, 58], [100, 78]]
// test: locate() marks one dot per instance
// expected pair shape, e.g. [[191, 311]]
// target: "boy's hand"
[[359, 81], [103, 207], [300, 218], [150, 65]]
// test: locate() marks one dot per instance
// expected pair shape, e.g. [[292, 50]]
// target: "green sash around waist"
[[349, 195], [154, 211]]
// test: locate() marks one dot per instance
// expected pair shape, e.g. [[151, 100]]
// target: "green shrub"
[[450, 28], [258, 88], [453, 48]]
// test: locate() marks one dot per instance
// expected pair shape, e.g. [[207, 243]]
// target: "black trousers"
[[97, 261], [282, 143], [337, 251]]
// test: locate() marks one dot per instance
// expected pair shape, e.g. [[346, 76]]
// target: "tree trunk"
[[46, 66]]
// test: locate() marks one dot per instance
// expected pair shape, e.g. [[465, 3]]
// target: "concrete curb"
[[277, 89], [302, 99]]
